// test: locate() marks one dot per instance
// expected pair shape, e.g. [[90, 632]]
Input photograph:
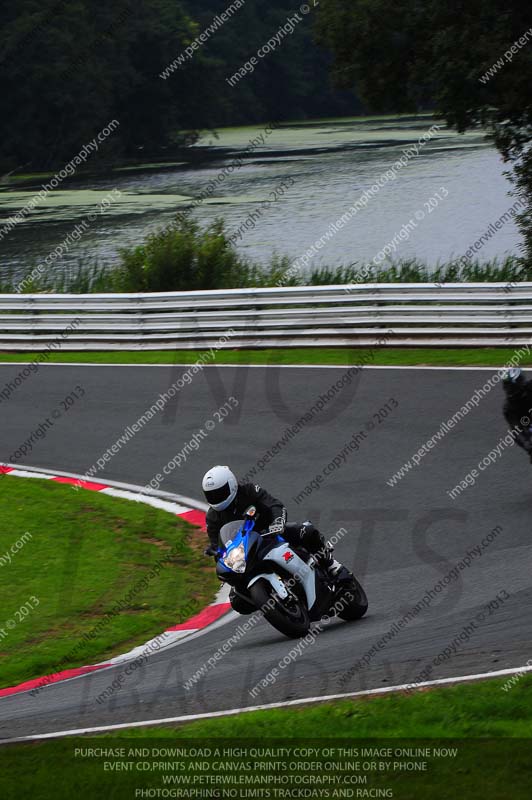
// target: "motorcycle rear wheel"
[[356, 602], [291, 618]]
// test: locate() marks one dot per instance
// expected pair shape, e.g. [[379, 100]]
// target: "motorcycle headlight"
[[236, 559]]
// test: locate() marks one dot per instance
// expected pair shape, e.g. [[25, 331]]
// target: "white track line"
[[162, 505], [267, 707], [22, 473], [42, 472], [263, 366]]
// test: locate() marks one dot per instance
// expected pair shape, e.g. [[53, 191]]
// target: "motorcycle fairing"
[[295, 566]]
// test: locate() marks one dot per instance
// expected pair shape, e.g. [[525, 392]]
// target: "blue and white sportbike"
[[285, 583]]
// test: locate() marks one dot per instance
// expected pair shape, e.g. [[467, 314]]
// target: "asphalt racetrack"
[[400, 541]]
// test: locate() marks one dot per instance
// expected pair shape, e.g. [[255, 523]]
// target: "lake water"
[[317, 170]]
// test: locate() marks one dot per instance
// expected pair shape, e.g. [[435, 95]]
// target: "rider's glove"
[[212, 551], [276, 527]]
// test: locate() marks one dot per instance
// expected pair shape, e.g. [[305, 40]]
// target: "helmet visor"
[[216, 496]]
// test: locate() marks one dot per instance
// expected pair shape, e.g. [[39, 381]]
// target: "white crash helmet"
[[512, 375], [219, 487], [513, 380]]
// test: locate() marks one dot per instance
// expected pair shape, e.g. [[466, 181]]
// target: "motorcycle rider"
[[518, 406], [228, 501]]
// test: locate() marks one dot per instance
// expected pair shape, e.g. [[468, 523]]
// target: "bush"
[[185, 257]]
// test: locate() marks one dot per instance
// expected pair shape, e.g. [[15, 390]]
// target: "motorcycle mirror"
[[251, 511]]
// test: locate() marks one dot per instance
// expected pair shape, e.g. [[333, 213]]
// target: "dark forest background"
[[67, 68]]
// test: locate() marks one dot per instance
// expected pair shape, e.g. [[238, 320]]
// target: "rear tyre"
[[355, 600], [289, 616]]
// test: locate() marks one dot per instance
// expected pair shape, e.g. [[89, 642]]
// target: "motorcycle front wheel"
[[289, 616]]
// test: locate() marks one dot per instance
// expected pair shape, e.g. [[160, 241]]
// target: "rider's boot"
[[324, 553], [332, 567]]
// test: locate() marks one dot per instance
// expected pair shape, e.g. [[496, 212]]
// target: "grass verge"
[[464, 711], [480, 356], [85, 553], [490, 728]]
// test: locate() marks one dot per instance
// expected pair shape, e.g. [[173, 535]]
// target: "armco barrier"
[[459, 314]]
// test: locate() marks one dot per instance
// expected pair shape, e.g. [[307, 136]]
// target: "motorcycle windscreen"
[[229, 531]]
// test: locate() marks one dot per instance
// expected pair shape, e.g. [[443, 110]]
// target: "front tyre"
[[288, 616], [355, 602]]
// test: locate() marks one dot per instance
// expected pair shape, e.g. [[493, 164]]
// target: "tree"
[[291, 82], [470, 61], [69, 68]]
